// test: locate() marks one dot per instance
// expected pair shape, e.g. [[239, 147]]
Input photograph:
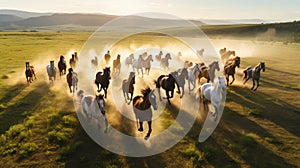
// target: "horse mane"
[[146, 91]]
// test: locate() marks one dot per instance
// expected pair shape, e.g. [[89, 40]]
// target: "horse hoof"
[[140, 129], [147, 137]]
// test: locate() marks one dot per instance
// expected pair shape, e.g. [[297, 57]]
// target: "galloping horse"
[[229, 68], [117, 65], [181, 79], [158, 57], [138, 64], [94, 108], [167, 82], [213, 93], [72, 80], [129, 60], [209, 72], [29, 73], [128, 87], [142, 109], [200, 52], [94, 62], [164, 62], [62, 66], [51, 70], [192, 72], [254, 73], [73, 60], [103, 80], [147, 64], [107, 57]]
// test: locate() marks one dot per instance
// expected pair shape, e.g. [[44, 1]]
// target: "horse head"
[[216, 63], [106, 72], [174, 75], [61, 58], [237, 61], [221, 82], [262, 66], [70, 70], [168, 56]]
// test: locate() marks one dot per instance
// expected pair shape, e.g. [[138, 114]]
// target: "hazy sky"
[[192, 9]]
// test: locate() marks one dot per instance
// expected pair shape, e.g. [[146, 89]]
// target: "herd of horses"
[[190, 72]]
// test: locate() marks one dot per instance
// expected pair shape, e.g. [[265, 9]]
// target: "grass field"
[[39, 126]]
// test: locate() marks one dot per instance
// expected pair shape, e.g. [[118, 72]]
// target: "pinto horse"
[[142, 109], [102, 80], [254, 73], [29, 73], [62, 66], [128, 87], [167, 82], [229, 68]]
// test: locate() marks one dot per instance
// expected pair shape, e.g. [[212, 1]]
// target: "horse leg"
[[158, 89], [105, 92], [70, 88], [124, 96], [141, 127], [257, 85], [149, 130], [232, 79], [246, 80], [253, 81], [182, 88], [131, 95]]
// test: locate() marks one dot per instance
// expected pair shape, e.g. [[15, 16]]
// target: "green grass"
[[39, 127]]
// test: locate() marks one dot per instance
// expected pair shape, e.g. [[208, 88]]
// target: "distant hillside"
[[9, 18], [22, 14], [289, 32]]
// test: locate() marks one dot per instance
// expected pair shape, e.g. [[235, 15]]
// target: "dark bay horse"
[[167, 82], [102, 80], [117, 65], [62, 66], [229, 68], [128, 87], [181, 79], [142, 109], [254, 73], [29, 73], [72, 80]]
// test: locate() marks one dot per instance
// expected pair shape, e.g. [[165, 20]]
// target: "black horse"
[[102, 80], [168, 82], [62, 66]]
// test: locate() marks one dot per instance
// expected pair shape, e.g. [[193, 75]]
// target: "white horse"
[[94, 108], [51, 70], [138, 64], [213, 93], [147, 64], [164, 62], [192, 76], [129, 60]]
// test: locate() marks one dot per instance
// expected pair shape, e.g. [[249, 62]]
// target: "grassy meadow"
[[39, 126]]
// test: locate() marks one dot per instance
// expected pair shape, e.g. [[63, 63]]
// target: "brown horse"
[[209, 72], [29, 73], [117, 65], [73, 61], [102, 80], [107, 57], [142, 109], [229, 68], [128, 87], [72, 80]]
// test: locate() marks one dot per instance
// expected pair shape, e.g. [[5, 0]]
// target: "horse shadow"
[[12, 92], [17, 112]]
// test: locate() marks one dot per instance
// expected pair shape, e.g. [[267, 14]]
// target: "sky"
[[189, 9]]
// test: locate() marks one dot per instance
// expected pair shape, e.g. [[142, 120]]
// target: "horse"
[[209, 72], [227, 55], [167, 82], [73, 60], [94, 62], [129, 60], [192, 75], [72, 80], [222, 51], [164, 62], [147, 64], [142, 109], [158, 57], [107, 57], [229, 68], [51, 70], [117, 65], [128, 87], [138, 64], [103, 80], [179, 54], [213, 93], [29, 73], [94, 108], [181, 79], [62, 66], [200, 52], [254, 73]]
